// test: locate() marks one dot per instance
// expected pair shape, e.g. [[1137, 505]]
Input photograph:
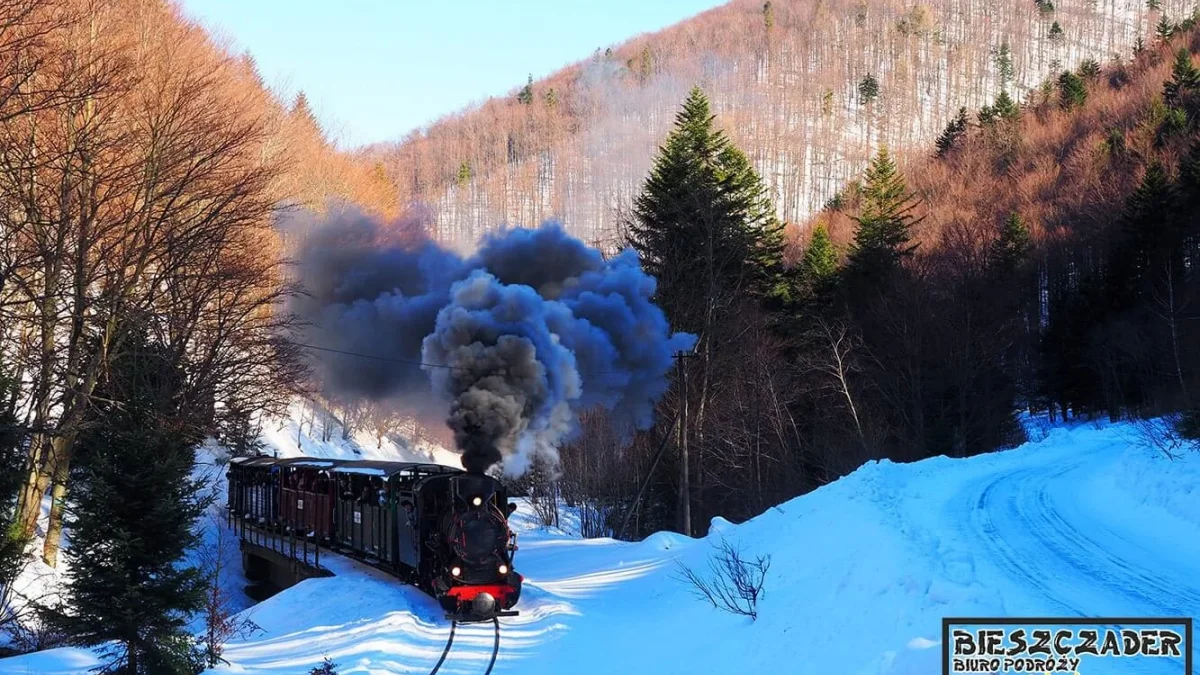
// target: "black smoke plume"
[[511, 343]]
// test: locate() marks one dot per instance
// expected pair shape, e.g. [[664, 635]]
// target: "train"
[[442, 529]]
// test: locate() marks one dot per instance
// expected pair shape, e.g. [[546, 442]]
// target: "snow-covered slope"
[[302, 432], [1082, 522]]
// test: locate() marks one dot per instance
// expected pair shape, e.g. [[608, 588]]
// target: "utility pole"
[[685, 490]]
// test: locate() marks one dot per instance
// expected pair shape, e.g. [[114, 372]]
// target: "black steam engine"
[[440, 528]]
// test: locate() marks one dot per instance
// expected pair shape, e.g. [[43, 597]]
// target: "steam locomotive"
[[442, 529]]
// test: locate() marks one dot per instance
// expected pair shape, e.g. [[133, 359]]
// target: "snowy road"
[[1037, 522], [1082, 522]]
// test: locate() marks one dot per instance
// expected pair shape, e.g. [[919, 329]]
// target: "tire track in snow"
[[1019, 524]]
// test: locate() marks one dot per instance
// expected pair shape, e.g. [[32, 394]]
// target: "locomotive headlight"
[[477, 501], [455, 571], [504, 569]]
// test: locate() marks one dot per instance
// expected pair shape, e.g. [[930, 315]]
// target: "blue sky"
[[376, 69]]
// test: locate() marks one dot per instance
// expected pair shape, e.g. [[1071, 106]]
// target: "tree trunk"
[[30, 504], [685, 496], [58, 499]]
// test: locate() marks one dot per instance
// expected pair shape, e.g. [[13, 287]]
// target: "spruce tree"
[[868, 89], [1006, 108], [1089, 69], [302, 111], [1164, 30], [525, 96], [1004, 65], [132, 520], [704, 222], [1149, 229], [1184, 77], [1011, 246], [819, 265], [12, 453], [1072, 91], [881, 240], [955, 130], [1056, 33]]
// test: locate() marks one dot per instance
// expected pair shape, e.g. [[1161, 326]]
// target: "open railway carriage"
[[306, 495], [444, 529]]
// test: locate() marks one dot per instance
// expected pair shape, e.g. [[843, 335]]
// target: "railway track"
[[450, 643]]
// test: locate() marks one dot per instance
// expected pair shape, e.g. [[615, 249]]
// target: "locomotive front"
[[477, 581]]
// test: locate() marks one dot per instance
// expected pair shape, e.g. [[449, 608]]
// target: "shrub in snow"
[[1167, 434], [734, 583]]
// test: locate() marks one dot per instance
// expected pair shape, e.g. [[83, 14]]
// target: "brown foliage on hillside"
[[791, 92], [1067, 173]]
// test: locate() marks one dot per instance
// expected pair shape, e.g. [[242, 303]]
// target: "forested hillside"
[[1039, 257], [806, 88]]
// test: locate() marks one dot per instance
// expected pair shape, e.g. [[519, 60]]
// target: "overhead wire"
[[377, 357]]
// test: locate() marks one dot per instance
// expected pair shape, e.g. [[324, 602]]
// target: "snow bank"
[[1082, 521]]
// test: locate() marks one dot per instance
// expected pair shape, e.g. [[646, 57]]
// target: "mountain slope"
[[785, 83], [1084, 521]]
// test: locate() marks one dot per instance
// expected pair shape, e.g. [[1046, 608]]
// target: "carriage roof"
[[376, 468], [386, 470]]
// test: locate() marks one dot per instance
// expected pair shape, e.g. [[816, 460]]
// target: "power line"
[[377, 357]]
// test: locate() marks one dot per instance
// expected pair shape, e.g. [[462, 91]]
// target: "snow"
[[359, 469], [1080, 521], [301, 434]]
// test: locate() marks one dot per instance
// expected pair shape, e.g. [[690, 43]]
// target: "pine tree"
[[704, 221], [1089, 69], [819, 263], [1011, 246], [1164, 29], [1005, 109], [1148, 226], [881, 240], [237, 432], [955, 130], [1056, 32], [12, 545], [1004, 65], [302, 110], [1185, 77], [132, 521], [868, 89], [525, 96], [645, 64], [1072, 91]]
